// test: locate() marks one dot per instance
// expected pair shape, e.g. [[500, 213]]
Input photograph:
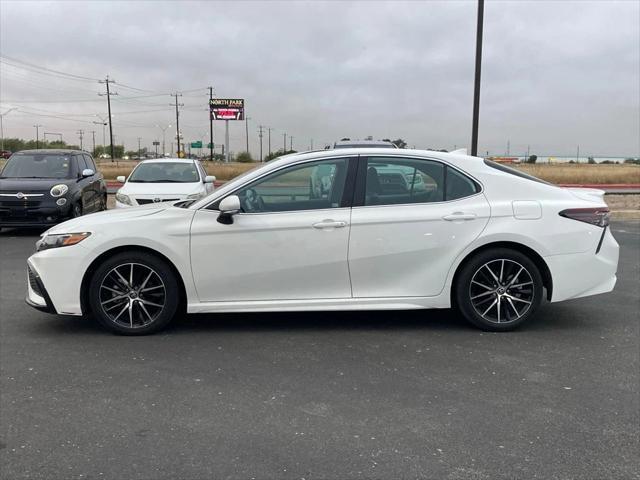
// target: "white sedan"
[[336, 230], [164, 180]]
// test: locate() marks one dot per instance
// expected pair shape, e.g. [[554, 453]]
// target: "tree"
[[278, 153], [591, 160], [532, 159], [244, 157], [400, 143]]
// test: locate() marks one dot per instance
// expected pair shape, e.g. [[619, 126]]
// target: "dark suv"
[[45, 187]]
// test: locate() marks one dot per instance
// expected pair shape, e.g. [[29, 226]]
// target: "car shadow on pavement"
[[549, 318]]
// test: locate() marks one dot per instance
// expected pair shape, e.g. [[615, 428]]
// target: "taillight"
[[594, 216]]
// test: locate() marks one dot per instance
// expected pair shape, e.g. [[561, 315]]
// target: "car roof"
[[168, 160], [363, 144], [52, 150]]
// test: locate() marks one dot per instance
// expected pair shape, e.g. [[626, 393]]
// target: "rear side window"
[[459, 185], [513, 171], [401, 181]]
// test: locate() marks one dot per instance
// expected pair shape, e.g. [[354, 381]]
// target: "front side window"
[[37, 165], [311, 186], [397, 181], [165, 172]]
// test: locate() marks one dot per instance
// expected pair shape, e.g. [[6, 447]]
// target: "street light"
[[164, 129], [2, 128]]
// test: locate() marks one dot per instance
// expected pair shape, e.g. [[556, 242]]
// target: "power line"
[[50, 71]]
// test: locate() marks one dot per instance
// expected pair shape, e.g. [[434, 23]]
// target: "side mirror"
[[229, 206], [121, 178], [209, 179], [87, 172]]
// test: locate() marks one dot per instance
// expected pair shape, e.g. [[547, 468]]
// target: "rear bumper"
[[583, 274]]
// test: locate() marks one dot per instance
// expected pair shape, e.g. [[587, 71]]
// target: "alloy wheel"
[[501, 291], [132, 295]]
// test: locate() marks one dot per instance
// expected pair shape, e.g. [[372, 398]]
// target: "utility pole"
[[2, 128], [210, 126], [176, 95], [476, 88], [291, 143], [284, 147], [269, 130], [80, 134], [106, 81], [139, 151], [93, 134], [260, 128], [246, 130], [311, 145], [508, 147], [578, 155], [37, 136], [527, 159]]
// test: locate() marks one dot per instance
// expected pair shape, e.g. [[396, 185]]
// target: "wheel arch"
[[534, 256], [88, 274]]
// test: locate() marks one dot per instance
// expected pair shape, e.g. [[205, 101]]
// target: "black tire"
[[494, 305], [142, 309], [103, 203]]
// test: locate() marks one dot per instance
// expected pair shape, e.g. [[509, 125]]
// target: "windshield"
[[161, 172], [37, 165]]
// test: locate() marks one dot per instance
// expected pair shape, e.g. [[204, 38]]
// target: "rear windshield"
[[513, 171], [165, 172], [37, 165]]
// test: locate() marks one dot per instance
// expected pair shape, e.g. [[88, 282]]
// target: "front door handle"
[[329, 224], [457, 216]]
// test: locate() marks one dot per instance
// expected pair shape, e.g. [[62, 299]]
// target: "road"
[[323, 395]]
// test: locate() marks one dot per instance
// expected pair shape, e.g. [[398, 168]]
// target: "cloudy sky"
[[555, 74]]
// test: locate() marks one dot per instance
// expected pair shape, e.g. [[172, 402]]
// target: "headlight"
[[122, 198], [195, 196], [62, 240], [58, 190]]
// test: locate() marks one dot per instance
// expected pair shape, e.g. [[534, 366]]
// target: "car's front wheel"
[[499, 289], [134, 293]]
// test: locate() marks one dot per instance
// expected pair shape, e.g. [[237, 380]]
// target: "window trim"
[[361, 180], [347, 194]]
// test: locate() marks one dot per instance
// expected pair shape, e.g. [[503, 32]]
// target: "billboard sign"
[[227, 108]]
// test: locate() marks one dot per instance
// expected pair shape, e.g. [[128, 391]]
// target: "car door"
[[410, 220], [93, 185], [289, 242]]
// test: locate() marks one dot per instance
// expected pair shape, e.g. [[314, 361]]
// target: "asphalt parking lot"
[[323, 395]]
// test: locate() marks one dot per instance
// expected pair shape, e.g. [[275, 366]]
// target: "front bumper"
[[33, 216], [37, 295]]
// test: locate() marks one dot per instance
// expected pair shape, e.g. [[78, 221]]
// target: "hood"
[[133, 188], [87, 223], [26, 185]]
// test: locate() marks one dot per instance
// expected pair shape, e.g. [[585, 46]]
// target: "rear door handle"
[[329, 224], [457, 216]]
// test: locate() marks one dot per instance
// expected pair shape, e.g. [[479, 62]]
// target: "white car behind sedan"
[[164, 180]]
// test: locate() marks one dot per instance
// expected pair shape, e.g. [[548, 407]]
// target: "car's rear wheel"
[[499, 289], [134, 293]]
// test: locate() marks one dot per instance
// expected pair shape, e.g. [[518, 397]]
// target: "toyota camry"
[[349, 229]]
